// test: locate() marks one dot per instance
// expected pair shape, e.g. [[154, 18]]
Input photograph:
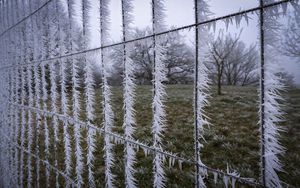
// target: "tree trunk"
[[220, 73], [219, 84]]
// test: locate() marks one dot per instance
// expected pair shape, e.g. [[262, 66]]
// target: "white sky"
[[181, 12]]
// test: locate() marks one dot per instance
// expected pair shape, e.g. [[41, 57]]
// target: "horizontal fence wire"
[[25, 18], [121, 139], [45, 162]]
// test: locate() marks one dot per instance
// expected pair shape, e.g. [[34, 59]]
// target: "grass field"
[[231, 140]]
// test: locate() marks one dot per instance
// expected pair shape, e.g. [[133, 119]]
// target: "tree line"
[[229, 60]]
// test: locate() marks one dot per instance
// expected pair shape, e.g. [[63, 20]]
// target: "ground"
[[231, 140]]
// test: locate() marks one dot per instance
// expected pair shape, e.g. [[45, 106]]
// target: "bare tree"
[[219, 51], [240, 65], [178, 58], [231, 62], [143, 57]]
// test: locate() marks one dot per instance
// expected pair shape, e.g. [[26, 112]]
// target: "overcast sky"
[[181, 12]]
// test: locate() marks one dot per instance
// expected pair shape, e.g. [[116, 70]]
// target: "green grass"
[[232, 138]]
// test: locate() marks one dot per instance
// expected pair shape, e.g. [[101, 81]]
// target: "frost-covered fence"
[[48, 98]]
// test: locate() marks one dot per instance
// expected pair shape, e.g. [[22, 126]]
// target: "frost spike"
[[38, 94], [159, 91], [23, 122], [270, 99], [107, 109], [30, 123], [16, 123], [129, 95], [284, 8], [54, 96], [201, 86], [89, 90], [46, 129], [67, 143]]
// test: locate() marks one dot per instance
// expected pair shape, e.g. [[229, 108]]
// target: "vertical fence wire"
[[30, 123], [64, 97], [10, 123], [38, 122], [77, 102], [196, 136], [126, 160], [159, 93], [16, 123], [109, 157], [125, 103], [89, 94], [53, 75], [262, 90], [22, 127], [30, 100], [108, 180], [129, 93]]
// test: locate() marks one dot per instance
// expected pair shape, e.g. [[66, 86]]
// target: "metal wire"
[[262, 93], [260, 8], [196, 128], [156, 34], [45, 162], [131, 141], [25, 18]]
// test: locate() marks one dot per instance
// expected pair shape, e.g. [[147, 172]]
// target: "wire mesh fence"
[[64, 125]]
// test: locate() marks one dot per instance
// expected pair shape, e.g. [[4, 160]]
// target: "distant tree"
[[178, 59], [240, 66], [219, 52], [231, 62], [142, 55]]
